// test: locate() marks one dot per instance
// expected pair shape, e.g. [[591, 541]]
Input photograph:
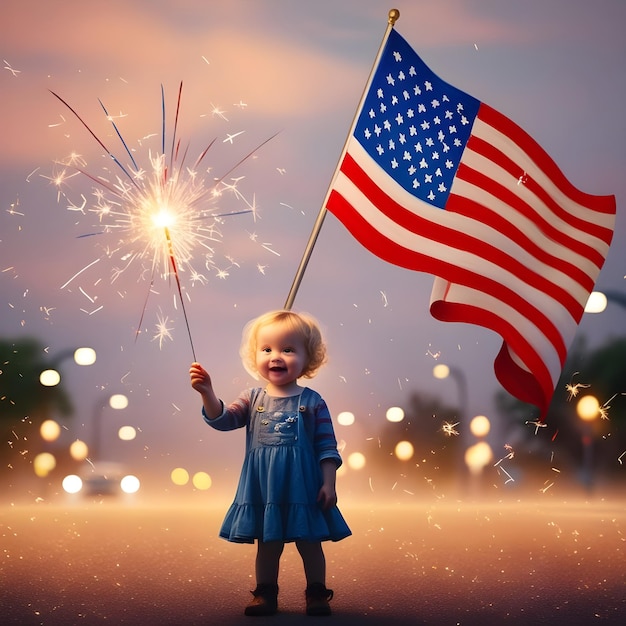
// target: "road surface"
[[438, 562]]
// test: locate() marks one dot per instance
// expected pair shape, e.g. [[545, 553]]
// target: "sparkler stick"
[[180, 292]]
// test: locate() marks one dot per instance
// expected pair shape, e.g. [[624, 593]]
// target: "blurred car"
[[102, 478]]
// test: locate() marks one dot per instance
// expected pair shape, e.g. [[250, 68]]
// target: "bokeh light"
[[127, 433], [596, 303], [179, 476], [201, 481], [356, 461], [50, 378], [85, 356], [79, 450], [404, 450], [49, 430], [478, 456], [394, 414], [588, 408], [480, 426], [44, 463], [118, 401], [345, 418], [130, 484], [441, 371], [72, 484]]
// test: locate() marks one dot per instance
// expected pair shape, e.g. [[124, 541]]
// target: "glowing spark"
[[449, 429], [620, 457], [267, 247], [574, 389], [163, 331], [86, 295], [537, 424], [384, 297], [604, 409], [222, 274], [12, 210], [58, 124], [33, 172], [75, 207], [510, 454], [229, 137], [261, 268], [216, 111], [281, 170], [7, 66], [79, 273], [510, 478], [240, 104], [94, 311]]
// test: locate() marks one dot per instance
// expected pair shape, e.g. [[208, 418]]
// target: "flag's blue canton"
[[415, 125]]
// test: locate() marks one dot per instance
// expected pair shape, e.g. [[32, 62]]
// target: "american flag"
[[434, 180]]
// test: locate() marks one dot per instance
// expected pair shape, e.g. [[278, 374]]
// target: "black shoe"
[[265, 601], [317, 598]]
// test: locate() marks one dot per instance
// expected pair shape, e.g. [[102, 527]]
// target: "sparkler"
[[156, 213], [573, 389], [449, 429]]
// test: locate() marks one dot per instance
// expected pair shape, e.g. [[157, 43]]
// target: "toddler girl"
[[286, 490]]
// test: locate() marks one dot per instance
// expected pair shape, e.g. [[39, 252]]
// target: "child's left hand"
[[327, 497]]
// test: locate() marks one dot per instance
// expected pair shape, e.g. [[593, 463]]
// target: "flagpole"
[[392, 18]]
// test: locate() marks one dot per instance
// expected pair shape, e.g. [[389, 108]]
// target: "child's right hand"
[[200, 379]]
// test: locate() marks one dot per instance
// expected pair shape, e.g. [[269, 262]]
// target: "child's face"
[[280, 355]]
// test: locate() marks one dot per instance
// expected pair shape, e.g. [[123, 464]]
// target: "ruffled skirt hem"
[[245, 523]]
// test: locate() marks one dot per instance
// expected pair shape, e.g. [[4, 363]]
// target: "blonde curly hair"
[[303, 323]]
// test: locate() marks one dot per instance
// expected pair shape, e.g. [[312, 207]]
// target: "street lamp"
[[82, 356], [116, 401], [442, 371], [588, 410]]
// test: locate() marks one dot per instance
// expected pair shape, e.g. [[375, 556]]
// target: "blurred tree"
[[436, 453], [24, 402], [600, 372]]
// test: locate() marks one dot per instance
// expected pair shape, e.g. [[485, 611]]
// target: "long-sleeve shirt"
[[313, 411]]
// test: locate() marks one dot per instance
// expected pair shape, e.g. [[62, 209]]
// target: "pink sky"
[[556, 68]]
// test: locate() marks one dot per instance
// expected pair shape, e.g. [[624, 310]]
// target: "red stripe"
[[462, 241], [536, 388], [392, 252]]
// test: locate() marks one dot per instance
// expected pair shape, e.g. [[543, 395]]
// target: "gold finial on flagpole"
[[394, 14]]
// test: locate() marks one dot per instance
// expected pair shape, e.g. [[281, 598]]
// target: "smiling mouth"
[[276, 368]]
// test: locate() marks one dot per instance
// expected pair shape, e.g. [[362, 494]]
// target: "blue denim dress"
[[276, 499]]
